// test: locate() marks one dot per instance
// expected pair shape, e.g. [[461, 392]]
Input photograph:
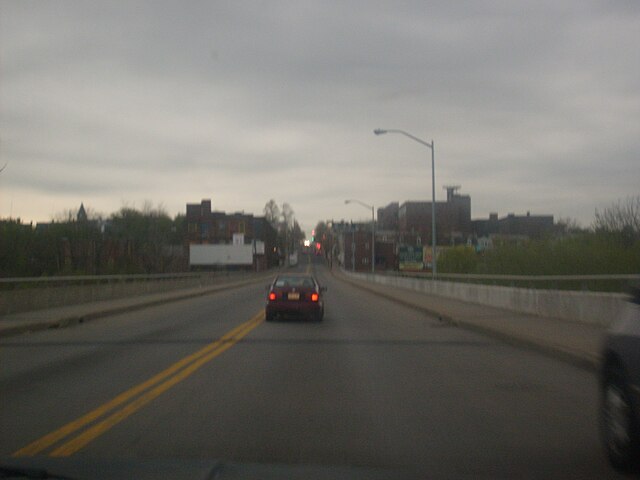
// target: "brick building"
[[357, 250], [205, 226], [215, 227], [388, 217], [409, 224], [453, 219], [529, 226], [353, 246]]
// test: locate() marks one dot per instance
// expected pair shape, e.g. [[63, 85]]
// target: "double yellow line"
[[135, 398]]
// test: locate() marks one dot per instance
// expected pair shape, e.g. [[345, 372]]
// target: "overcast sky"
[[533, 106]]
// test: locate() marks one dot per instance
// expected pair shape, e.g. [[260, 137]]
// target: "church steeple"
[[82, 214]]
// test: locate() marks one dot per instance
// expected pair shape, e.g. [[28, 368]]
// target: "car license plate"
[[293, 296]]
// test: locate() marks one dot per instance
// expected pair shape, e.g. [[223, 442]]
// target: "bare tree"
[[68, 215], [272, 212], [71, 215], [149, 210], [567, 225], [620, 216], [297, 234], [287, 215]]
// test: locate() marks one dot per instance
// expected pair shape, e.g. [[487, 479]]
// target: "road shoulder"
[[576, 343], [61, 317]]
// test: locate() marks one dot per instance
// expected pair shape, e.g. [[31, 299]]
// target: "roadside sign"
[[410, 257]]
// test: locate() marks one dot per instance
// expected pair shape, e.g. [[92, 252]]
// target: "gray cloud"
[[532, 106]]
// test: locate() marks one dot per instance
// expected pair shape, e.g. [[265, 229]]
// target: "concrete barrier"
[[38, 294], [592, 308]]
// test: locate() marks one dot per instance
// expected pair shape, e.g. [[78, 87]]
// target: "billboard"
[[203, 255], [259, 247], [410, 258], [238, 238], [427, 256]]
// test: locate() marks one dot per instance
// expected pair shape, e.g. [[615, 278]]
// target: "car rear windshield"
[[294, 282]]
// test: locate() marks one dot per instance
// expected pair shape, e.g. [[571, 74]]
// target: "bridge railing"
[[590, 307], [591, 283], [28, 294]]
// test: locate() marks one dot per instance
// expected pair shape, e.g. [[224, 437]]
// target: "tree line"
[[283, 220], [610, 246], [128, 241]]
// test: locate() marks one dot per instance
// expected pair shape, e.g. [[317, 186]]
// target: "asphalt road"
[[376, 384]]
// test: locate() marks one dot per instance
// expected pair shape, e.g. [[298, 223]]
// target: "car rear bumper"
[[293, 308]]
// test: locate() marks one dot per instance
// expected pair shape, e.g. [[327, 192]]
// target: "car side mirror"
[[267, 288], [323, 289]]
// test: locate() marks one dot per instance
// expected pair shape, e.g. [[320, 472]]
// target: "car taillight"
[[314, 297], [272, 296]]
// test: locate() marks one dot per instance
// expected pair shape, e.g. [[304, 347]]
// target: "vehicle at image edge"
[[294, 294], [620, 389]]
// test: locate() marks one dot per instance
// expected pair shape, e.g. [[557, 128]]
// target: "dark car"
[[620, 389], [294, 294]]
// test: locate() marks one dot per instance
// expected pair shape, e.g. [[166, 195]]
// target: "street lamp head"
[[347, 201], [379, 131]]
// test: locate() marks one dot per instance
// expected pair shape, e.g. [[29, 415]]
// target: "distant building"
[[214, 227], [386, 250], [264, 231], [82, 214], [408, 223], [453, 219], [523, 226], [353, 246], [400, 226], [388, 217], [205, 226], [357, 250]]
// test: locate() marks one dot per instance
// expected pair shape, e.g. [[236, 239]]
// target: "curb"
[[578, 359], [69, 321]]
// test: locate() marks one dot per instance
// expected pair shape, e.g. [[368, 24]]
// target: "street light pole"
[[373, 232], [380, 131]]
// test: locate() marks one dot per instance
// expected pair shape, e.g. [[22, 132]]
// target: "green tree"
[[142, 236], [460, 259], [16, 247]]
